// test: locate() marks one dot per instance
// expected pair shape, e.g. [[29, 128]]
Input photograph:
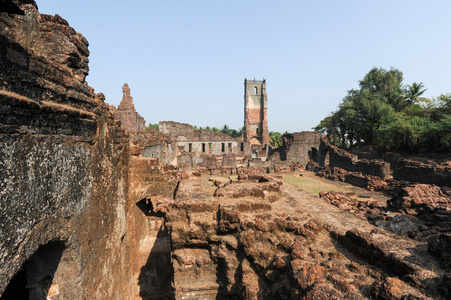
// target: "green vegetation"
[[386, 115], [157, 126], [275, 138]]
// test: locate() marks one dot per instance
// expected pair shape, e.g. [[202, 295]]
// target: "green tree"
[[412, 95], [275, 138], [382, 114], [225, 129], [384, 85]]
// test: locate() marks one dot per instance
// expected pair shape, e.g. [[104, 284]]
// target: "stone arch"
[[313, 154], [36, 278], [323, 155]]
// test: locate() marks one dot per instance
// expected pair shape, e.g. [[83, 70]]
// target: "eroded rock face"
[[43, 58], [63, 167]]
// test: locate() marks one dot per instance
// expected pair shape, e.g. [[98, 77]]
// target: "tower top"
[[127, 100], [254, 81]]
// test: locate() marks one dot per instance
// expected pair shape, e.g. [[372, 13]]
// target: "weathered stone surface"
[[48, 55], [329, 155], [420, 197], [393, 289], [430, 173], [297, 149], [64, 166]]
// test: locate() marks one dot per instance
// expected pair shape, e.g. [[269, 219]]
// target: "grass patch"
[[313, 185]]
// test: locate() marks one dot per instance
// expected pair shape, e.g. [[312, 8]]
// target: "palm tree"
[[225, 129], [275, 138], [412, 95]]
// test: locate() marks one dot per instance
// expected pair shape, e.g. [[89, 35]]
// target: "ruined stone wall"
[[332, 156], [298, 146], [415, 171], [207, 258], [191, 147], [63, 166], [150, 246], [175, 129], [407, 167]]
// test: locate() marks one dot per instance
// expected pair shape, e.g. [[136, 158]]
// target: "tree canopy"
[[384, 113]]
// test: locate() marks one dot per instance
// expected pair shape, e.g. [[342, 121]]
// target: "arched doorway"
[[34, 281], [313, 153]]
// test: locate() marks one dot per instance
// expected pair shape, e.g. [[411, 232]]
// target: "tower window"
[[203, 147], [190, 147], [256, 90], [222, 147]]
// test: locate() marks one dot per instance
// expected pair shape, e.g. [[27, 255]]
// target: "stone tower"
[[126, 113], [255, 112]]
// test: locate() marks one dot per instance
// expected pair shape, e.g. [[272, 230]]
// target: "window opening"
[[203, 147], [256, 90], [223, 147], [190, 147]]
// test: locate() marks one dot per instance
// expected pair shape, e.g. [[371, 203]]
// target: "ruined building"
[[87, 211], [181, 145], [130, 119], [256, 113]]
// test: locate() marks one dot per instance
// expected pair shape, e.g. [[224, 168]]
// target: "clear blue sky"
[[186, 61]]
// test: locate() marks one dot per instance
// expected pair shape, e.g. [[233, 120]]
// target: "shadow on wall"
[[156, 276], [35, 278]]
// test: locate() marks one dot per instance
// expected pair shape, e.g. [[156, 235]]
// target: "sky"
[[186, 61]]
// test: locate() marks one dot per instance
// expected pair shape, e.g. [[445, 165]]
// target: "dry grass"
[[313, 185]]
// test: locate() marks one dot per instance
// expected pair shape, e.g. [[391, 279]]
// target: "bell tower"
[[255, 112]]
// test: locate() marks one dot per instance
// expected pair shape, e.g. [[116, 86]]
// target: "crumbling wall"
[[174, 129], [190, 147], [150, 247], [297, 147], [415, 171], [64, 163], [332, 156]]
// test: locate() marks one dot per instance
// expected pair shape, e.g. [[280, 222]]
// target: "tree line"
[[385, 114]]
